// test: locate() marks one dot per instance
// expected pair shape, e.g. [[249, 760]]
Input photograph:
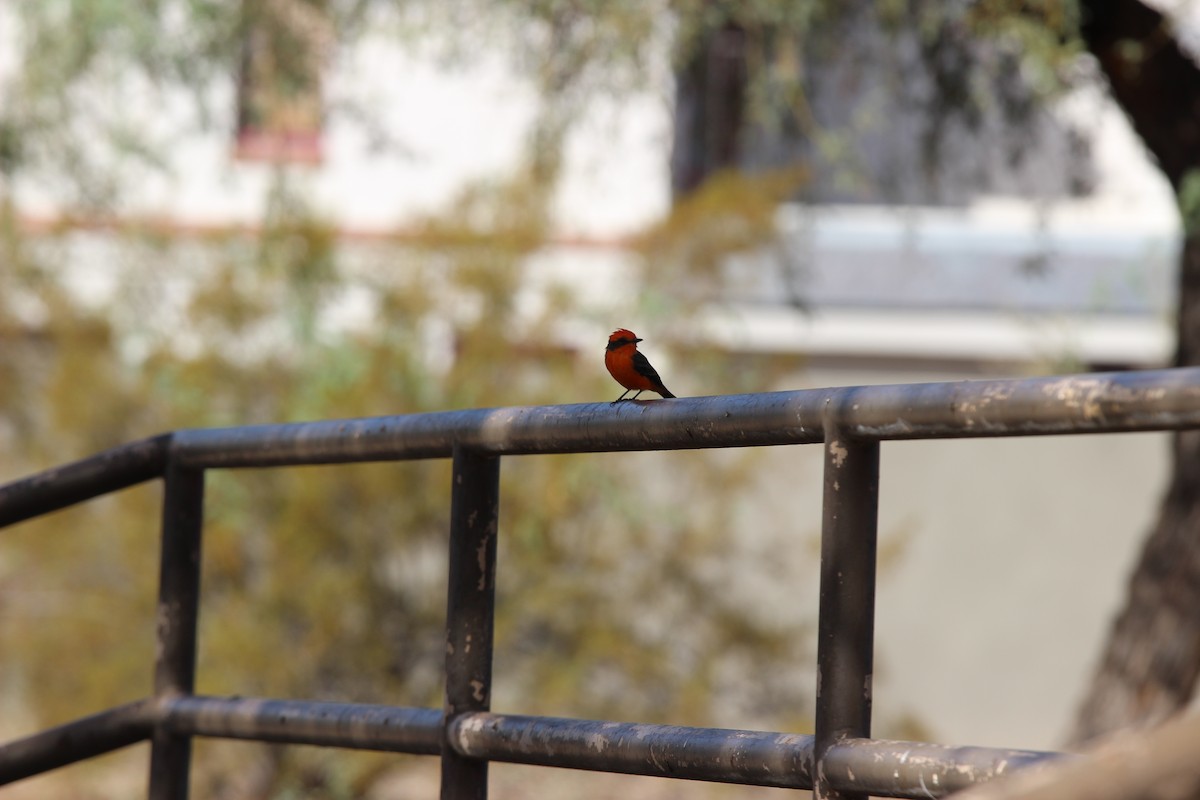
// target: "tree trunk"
[[1151, 661]]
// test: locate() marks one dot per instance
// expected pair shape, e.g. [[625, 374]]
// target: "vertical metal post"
[[846, 627], [470, 608], [178, 607]]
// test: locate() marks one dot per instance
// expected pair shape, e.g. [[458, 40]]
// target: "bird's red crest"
[[621, 333]]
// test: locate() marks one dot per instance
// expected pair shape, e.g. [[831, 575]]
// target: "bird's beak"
[[635, 341]]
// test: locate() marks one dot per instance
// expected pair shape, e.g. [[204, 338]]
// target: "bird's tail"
[[665, 392]]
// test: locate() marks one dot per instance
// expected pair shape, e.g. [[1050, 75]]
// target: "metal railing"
[[840, 760]]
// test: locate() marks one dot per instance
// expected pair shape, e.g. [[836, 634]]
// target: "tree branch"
[[1158, 764], [1152, 78]]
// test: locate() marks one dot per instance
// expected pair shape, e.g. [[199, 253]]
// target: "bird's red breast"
[[629, 367]]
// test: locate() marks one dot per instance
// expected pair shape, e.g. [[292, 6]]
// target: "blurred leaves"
[[328, 582], [1188, 198], [731, 213]]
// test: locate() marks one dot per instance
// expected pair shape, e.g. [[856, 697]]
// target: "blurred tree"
[[1151, 661], [329, 582]]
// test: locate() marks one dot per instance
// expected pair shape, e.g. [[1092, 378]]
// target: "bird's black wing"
[[642, 365]]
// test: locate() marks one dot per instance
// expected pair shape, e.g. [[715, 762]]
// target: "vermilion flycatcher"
[[629, 367]]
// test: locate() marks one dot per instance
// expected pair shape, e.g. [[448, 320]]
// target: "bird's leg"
[[622, 397], [635, 397]]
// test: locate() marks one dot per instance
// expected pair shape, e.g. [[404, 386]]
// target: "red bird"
[[629, 367]]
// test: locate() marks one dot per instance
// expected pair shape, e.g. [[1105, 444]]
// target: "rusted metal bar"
[[846, 621], [669, 751], [756, 758], [1147, 400], [178, 609], [734, 420], [1122, 401], [352, 725], [918, 770], [76, 741], [470, 610], [880, 767], [72, 483]]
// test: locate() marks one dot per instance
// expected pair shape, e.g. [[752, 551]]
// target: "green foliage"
[[1188, 198], [731, 213], [328, 582]]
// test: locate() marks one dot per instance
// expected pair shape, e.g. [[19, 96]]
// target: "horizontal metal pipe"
[[919, 770], [1111, 402], [62, 486], [862, 766], [702, 754], [352, 725], [1121, 401], [75, 741], [735, 420], [874, 766]]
